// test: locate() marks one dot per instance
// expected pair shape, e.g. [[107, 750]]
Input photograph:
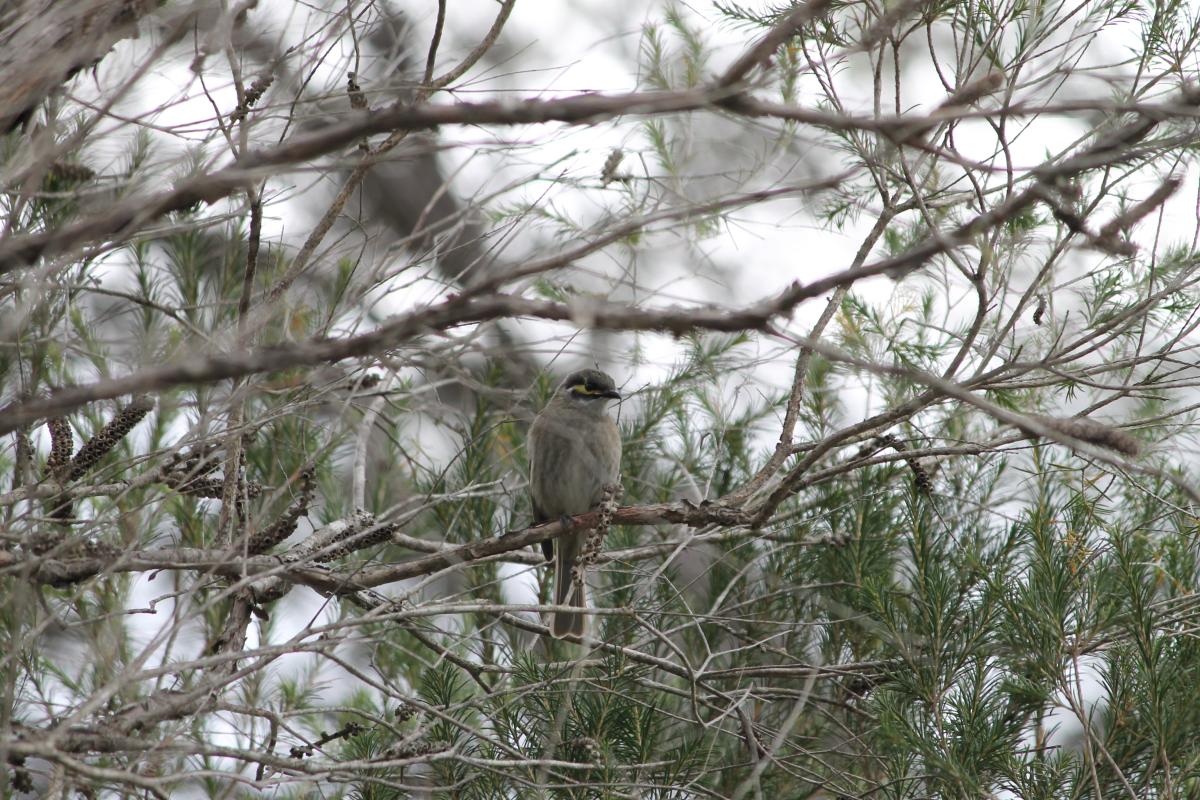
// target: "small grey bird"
[[574, 453]]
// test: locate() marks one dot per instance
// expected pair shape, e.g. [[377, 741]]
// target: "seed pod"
[[285, 526], [1093, 432], [116, 430], [62, 445]]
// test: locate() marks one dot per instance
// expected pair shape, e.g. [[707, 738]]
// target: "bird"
[[574, 455]]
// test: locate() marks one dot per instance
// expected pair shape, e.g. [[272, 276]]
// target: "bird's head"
[[589, 388]]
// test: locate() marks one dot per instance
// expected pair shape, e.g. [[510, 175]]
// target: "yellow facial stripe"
[[581, 388]]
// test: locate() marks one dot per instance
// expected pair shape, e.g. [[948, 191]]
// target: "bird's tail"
[[568, 591]]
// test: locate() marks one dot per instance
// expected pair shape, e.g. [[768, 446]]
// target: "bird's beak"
[[611, 394]]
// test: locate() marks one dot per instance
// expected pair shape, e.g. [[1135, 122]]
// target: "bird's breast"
[[573, 457]]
